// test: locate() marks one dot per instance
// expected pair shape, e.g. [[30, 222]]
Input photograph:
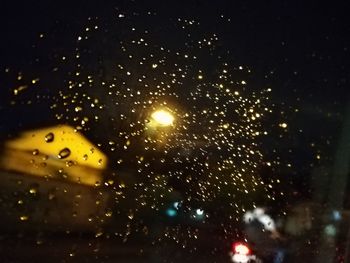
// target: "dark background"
[[299, 49]]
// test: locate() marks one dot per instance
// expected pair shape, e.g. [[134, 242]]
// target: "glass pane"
[[166, 132]]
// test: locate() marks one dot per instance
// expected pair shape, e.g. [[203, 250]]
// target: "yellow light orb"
[[283, 125], [163, 118]]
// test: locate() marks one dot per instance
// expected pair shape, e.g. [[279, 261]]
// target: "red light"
[[240, 248]]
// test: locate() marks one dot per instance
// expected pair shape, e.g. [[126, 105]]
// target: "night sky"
[[300, 50]]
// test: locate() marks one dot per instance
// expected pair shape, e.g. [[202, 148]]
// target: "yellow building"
[[53, 172], [55, 152]]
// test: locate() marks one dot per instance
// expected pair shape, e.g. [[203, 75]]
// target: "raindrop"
[[85, 157], [64, 153], [33, 188], [108, 213], [131, 215], [24, 218], [64, 176], [49, 137], [145, 230], [35, 152], [51, 196], [69, 163], [98, 234], [32, 191]]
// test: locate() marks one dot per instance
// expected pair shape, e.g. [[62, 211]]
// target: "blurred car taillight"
[[240, 248]]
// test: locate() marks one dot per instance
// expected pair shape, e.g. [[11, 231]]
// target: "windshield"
[[167, 132]]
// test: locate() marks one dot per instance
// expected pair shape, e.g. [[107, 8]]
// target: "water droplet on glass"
[[49, 137], [145, 230], [108, 213], [98, 234], [131, 215], [33, 188], [64, 153], [24, 218], [64, 175], [69, 163], [51, 196]]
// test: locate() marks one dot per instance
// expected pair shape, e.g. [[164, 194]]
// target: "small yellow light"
[[35, 80], [283, 125], [163, 118], [23, 218]]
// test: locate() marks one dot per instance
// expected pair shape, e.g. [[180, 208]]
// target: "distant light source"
[[163, 118], [330, 230], [199, 212], [240, 248], [336, 215], [171, 212], [283, 125], [176, 205]]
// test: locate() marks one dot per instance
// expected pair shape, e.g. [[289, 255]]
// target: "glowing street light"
[[162, 118]]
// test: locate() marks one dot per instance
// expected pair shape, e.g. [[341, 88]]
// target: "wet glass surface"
[[168, 132]]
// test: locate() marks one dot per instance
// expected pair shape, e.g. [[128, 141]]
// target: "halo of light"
[[163, 118]]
